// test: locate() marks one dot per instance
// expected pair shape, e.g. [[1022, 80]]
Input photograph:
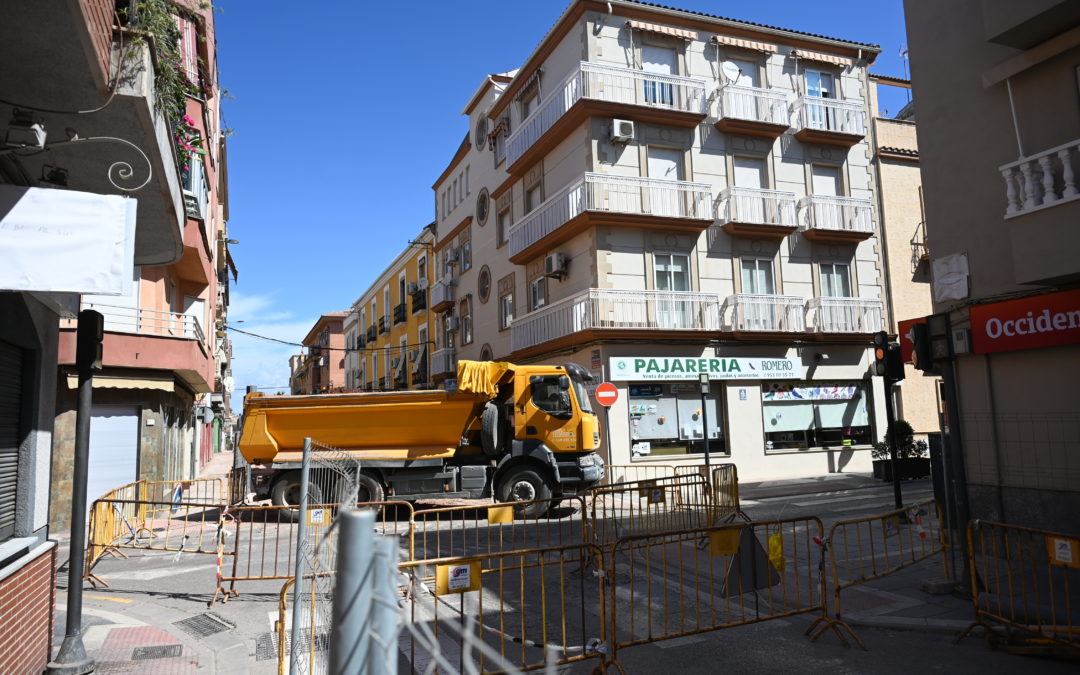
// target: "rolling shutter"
[[11, 394]]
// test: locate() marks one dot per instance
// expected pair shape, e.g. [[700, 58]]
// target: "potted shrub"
[[911, 455]]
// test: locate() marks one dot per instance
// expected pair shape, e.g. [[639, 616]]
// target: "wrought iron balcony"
[[399, 313]]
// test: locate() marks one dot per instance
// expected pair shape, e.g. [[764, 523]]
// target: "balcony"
[[442, 295], [920, 252], [859, 316], [631, 312], [830, 122], [757, 214], [399, 313], [1042, 180], [757, 313], [602, 90], [753, 111], [372, 333], [419, 301], [384, 325], [601, 199], [837, 220], [444, 363]]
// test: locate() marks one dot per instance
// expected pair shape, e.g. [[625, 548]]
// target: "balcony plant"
[[911, 455]]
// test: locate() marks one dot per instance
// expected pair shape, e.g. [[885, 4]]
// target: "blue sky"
[[334, 152]]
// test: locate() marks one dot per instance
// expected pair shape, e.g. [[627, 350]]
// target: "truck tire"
[[369, 489], [525, 484], [490, 440], [286, 492]]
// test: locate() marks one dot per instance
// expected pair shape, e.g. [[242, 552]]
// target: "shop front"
[[773, 411]]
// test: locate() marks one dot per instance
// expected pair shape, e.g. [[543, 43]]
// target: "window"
[[537, 294], [821, 84], [387, 376], [506, 311], [448, 335], [748, 73], [401, 289], [825, 180], [672, 272], [466, 255], [502, 226], [532, 198], [483, 284], [362, 384], [815, 415], [757, 276], [485, 353], [421, 268], [482, 207], [529, 103], [835, 280], [374, 370], [465, 319], [662, 61], [665, 163], [666, 419]]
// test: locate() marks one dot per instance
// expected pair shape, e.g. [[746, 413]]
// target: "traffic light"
[[888, 362], [921, 358]]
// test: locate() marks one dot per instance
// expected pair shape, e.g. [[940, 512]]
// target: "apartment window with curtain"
[[671, 271], [835, 280], [465, 315], [537, 293], [661, 60], [502, 226], [506, 311], [466, 255], [757, 276]]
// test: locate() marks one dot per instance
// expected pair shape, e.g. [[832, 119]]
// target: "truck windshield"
[[582, 395]]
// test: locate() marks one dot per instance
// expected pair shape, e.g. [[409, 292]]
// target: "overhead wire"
[[329, 349]]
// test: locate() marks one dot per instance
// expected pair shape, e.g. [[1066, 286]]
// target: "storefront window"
[[815, 415], [666, 419]]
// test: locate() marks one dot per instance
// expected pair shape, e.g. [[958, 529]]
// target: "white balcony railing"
[[845, 315], [839, 214], [599, 308], [611, 84], [612, 194], [757, 312], [148, 321], [827, 114], [1045, 179], [762, 207], [754, 104], [444, 361]]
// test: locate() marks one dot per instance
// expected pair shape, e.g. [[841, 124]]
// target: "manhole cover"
[[156, 652], [266, 647], [202, 625]]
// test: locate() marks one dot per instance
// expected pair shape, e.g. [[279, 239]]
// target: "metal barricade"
[[1026, 581], [238, 484], [672, 584], [108, 524], [517, 610], [868, 548], [615, 474], [264, 539], [209, 491], [458, 531], [650, 506]]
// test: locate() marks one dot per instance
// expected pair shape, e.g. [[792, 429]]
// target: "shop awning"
[[663, 30], [65, 241], [118, 382]]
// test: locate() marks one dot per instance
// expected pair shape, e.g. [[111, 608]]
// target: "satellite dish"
[[731, 71]]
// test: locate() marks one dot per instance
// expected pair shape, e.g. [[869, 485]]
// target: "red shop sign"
[[1028, 323], [903, 335]]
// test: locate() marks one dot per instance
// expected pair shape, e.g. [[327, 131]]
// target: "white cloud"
[[258, 362]]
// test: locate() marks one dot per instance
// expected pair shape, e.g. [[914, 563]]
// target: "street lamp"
[[703, 379]]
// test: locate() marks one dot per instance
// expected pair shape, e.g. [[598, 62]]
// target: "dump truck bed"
[[384, 425]]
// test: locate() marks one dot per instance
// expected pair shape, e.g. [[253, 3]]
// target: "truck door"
[[550, 414]]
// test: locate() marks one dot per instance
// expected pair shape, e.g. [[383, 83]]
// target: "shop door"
[[114, 449]]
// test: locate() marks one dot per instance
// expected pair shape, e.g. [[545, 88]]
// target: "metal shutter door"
[[114, 445], [11, 366]]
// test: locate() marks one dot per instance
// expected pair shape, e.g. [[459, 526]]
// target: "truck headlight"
[[587, 460]]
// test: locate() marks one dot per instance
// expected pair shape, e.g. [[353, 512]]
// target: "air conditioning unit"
[[413, 355], [452, 255], [622, 131], [452, 324], [555, 265], [413, 287], [422, 283]]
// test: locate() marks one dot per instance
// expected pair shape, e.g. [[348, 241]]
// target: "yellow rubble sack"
[[481, 377]]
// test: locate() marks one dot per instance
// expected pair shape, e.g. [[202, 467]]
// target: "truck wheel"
[[489, 430], [286, 492], [525, 484], [368, 488]]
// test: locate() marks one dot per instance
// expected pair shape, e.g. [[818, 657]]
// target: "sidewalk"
[[789, 487]]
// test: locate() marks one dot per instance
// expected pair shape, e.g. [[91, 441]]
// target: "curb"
[[927, 625]]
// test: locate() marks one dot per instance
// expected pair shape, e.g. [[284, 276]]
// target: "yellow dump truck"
[[517, 433]]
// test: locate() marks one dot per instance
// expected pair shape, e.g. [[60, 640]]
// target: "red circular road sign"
[[606, 394]]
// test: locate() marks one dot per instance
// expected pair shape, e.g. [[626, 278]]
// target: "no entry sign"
[[607, 394]]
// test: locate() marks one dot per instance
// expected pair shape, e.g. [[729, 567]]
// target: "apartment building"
[[657, 193], [104, 205], [321, 368], [389, 330], [996, 89]]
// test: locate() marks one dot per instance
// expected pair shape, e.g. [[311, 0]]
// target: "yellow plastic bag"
[[776, 552]]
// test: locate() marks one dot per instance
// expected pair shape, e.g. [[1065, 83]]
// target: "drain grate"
[[202, 625], [156, 652], [266, 647]]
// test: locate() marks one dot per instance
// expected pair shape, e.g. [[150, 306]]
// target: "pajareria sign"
[[626, 368]]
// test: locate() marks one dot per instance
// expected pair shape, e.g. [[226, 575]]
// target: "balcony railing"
[[399, 313], [611, 84], [444, 361], [754, 104], [613, 194], [1042, 180], [838, 214], [845, 315], [617, 309], [919, 250], [828, 114], [762, 207], [419, 301], [769, 313], [149, 322], [384, 325], [372, 333]]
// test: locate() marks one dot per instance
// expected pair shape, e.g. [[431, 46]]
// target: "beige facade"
[[998, 132], [321, 369]]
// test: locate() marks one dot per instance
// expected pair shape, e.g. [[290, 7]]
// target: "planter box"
[[908, 468]]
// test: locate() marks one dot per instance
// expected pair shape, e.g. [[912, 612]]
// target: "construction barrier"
[[238, 484], [264, 539], [650, 506], [459, 531], [1027, 582], [868, 548], [519, 609], [208, 491], [117, 524], [673, 584], [615, 474]]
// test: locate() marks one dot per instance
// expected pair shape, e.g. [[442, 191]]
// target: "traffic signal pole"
[[890, 366], [890, 418]]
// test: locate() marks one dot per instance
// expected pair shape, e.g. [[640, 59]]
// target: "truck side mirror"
[[564, 383]]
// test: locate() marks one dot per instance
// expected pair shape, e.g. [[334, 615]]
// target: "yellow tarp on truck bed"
[[482, 377]]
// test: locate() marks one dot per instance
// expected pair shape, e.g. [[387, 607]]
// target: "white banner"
[[624, 368], [63, 241]]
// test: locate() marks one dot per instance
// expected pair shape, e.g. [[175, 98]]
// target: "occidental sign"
[[624, 368], [1028, 323]]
